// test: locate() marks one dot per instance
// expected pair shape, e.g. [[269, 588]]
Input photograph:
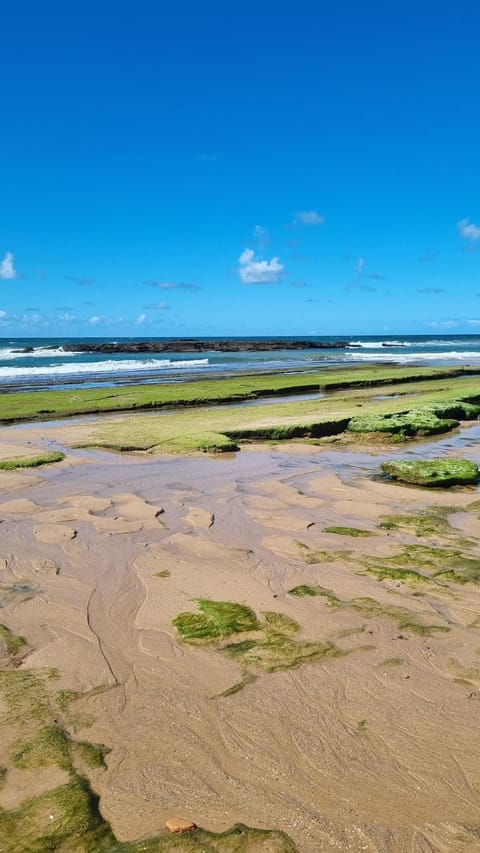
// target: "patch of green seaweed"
[[267, 645], [407, 576], [13, 643], [278, 651], [406, 620], [314, 557], [304, 590], [217, 620], [67, 818], [417, 525], [31, 461], [348, 531]]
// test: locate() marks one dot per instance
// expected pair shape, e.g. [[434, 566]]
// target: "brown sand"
[[350, 753]]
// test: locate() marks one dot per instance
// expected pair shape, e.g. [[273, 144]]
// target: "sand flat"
[[375, 748]]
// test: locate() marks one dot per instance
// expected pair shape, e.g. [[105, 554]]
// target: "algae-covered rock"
[[419, 422], [433, 472]]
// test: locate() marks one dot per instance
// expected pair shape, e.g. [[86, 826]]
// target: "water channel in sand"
[[348, 753]]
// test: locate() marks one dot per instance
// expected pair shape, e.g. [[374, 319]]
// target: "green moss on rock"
[[421, 422], [433, 472]]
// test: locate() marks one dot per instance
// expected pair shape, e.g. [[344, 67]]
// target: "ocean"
[[47, 365]]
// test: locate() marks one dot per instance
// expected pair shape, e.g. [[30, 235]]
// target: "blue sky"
[[233, 168]]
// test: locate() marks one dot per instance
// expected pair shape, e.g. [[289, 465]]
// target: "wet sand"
[[375, 749]]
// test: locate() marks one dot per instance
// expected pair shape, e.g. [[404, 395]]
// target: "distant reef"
[[196, 345]]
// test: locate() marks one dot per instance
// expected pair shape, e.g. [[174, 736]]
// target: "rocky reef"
[[198, 345]]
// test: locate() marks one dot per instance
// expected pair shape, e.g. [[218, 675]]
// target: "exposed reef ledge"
[[197, 345]]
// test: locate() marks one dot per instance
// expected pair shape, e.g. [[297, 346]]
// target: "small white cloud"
[[252, 271], [7, 270], [261, 236], [473, 322], [173, 285], [309, 217], [95, 320], [360, 266], [444, 324], [468, 230], [141, 319], [3, 315], [158, 306]]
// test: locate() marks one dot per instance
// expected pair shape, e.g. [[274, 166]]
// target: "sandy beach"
[[370, 744]]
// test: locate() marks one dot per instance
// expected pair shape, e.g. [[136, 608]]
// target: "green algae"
[[31, 461], [406, 620], [461, 575], [276, 623], [267, 645], [314, 557], [305, 590], [164, 573], [419, 422], [406, 576], [406, 565], [444, 564], [247, 679], [418, 525], [217, 620], [13, 643], [67, 818], [239, 839], [391, 662], [348, 531], [439, 473], [428, 526], [279, 651], [469, 675], [444, 511], [50, 745]]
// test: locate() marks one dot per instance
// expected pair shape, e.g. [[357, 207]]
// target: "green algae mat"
[[67, 817], [438, 473]]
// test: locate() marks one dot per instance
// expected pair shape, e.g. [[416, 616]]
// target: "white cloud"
[[7, 270], [444, 324], [261, 236], [360, 266], [253, 271], [473, 322], [173, 285], [158, 306], [309, 217], [3, 315], [468, 230], [95, 320], [141, 319]]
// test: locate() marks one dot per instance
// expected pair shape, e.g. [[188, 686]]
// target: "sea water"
[[41, 363]]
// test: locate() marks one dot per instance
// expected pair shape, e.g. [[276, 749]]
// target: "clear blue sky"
[[177, 168]]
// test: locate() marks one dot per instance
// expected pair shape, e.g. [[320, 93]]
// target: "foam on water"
[[37, 352], [405, 358], [92, 368]]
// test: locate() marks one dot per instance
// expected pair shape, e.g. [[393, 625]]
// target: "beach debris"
[[180, 824]]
